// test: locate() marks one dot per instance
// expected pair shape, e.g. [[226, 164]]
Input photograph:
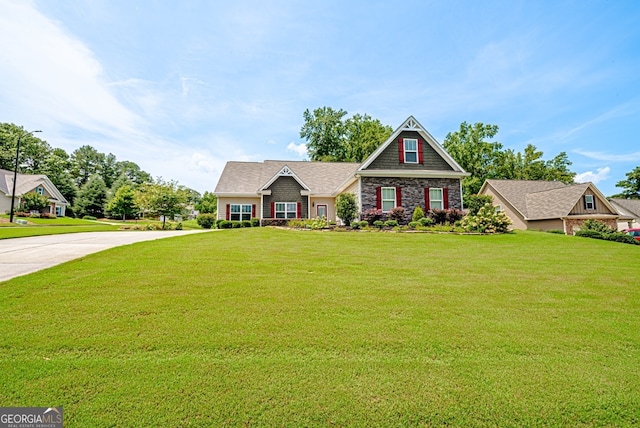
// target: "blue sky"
[[181, 87]]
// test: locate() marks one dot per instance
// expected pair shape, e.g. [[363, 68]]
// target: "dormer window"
[[410, 150]]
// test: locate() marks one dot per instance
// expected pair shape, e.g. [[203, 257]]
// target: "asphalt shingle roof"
[[249, 177]]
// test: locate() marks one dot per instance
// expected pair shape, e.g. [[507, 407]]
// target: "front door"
[[321, 211]]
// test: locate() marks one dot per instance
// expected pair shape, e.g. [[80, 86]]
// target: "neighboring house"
[[629, 211], [30, 183], [409, 169], [549, 205]]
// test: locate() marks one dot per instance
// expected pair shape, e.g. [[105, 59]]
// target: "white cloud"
[[300, 149], [595, 177], [630, 157]]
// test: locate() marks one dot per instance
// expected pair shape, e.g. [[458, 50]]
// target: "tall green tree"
[[123, 202], [324, 131], [208, 203], [109, 169], [133, 172], [630, 186], [346, 207], [33, 150], [56, 167], [91, 197], [333, 137], [85, 162], [162, 198], [471, 148]]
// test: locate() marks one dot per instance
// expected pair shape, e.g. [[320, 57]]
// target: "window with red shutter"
[[228, 212], [445, 198], [398, 196], [427, 202], [378, 198]]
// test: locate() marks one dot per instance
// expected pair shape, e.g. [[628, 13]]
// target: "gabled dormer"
[[411, 148]]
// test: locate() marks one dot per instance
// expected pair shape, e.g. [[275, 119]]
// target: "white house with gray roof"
[[30, 183], [409, 169]]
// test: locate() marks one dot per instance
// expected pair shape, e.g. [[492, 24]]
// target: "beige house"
[[409, 169], [629, 210], [549, 205], [30, 183]]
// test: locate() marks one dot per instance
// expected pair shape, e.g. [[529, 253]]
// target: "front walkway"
[[20, 256]]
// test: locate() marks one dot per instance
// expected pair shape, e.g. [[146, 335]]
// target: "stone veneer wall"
[[572, 224], [412, 191]]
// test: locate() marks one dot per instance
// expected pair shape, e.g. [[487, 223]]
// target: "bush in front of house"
[[373, 215], [438, 216], [398, 214], [473, 203], [246, 223], [391, 223], [206, 221], [255, 222], [598, 230], [597, 226], [346, 207], [417, 214], [453, 215], [487, 220], [225, 224], [379, 224], [426, 222], [89, 217]]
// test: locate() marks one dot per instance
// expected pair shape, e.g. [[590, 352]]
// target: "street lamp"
[[15, 172]]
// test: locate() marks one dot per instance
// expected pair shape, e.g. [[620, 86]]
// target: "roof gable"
[[285, 171], [628, 206], [412, 125]]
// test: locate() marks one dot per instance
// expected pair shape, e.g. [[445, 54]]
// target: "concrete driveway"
[[20, 256]]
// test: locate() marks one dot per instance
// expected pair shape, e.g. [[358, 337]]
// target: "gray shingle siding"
[[284, 189], [389, 158], [412, 191]]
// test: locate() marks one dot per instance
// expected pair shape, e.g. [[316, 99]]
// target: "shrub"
[[486, 221], [275, 222], [364, 224], [596, 225], [255, 222], [397, 214], [379, 224], [179, 226], [355, 225], [453, 215], [438, 216], [426, 221], [621, 237], [34, 215], [474, 202], [391, 223], [373, 215], [218, 222], [246, 223], [206, 221], [588, 233], [320, 223], [225, 224], [610, 236], [236, 224], [297, 224], [48, 215], [346, 207], [556, 231], [417, 214], [33, 202], [89, 217], [414, 224], [22, 214]]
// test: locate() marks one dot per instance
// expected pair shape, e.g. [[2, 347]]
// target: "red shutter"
[[401, 150], [427, 203], [398, 196], [445, 197], [273, 210], [379, 198], [299, 213], [420, 152], [253, 211], [228, 211]]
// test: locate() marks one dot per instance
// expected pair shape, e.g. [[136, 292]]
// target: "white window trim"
[[240, 212], [589, 205], [382, 199], [441, 200], [286, 210], [404, 141]]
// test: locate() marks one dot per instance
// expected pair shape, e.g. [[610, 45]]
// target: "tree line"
[[332, 136], [95, 183]]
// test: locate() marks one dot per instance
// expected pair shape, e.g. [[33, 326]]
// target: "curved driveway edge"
[[20, 256]]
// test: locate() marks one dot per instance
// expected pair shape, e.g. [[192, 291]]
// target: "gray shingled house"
[[409, 169], [549, 205], [30, 183], [629, 210]]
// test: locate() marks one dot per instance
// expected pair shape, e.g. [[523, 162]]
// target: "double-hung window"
[[435, 198], [239, 212], [388, 198], [410, 150], [589, 204], [286, 209]]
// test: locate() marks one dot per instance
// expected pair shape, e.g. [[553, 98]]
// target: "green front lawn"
[[287, 328]]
